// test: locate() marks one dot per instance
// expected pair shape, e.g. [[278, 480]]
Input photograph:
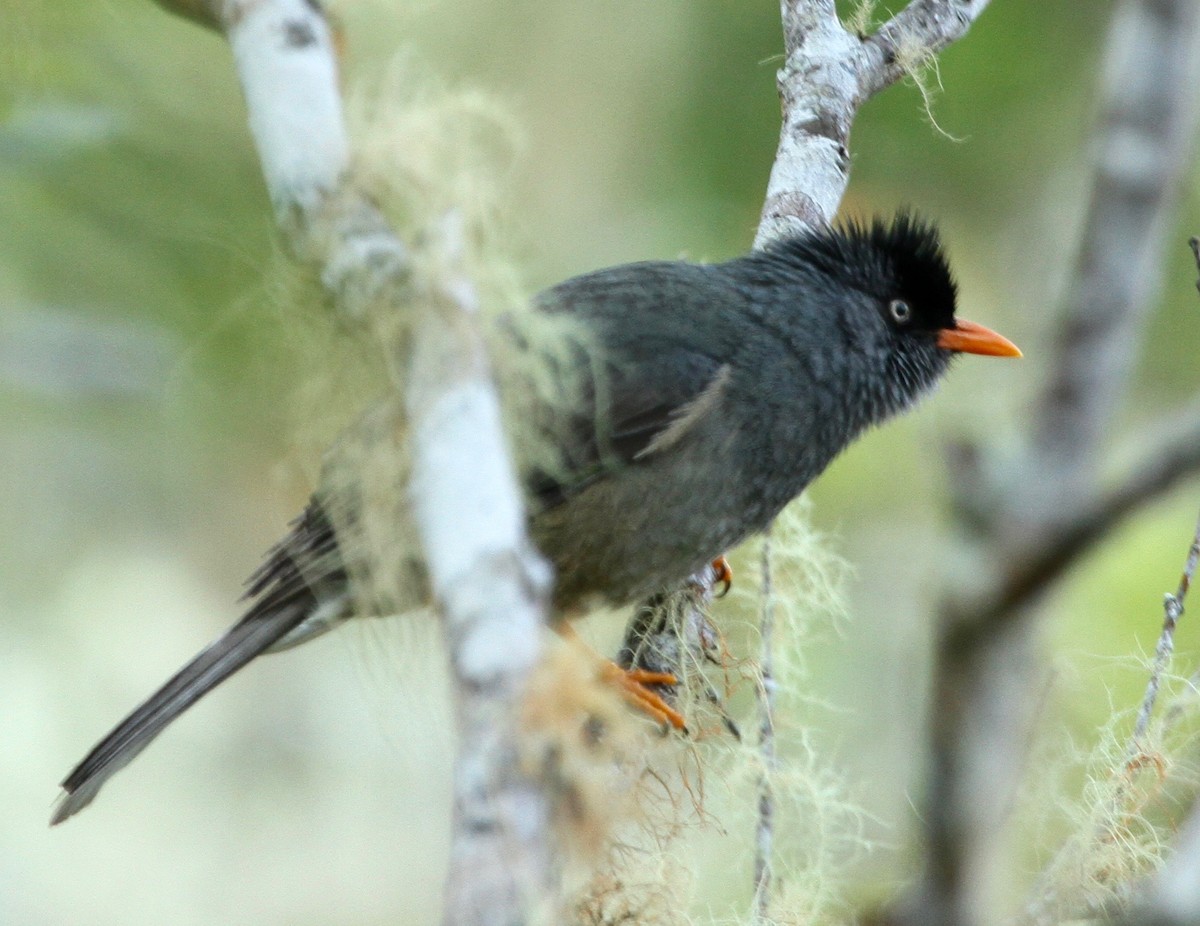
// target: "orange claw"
[[724, 575], [632, 684]]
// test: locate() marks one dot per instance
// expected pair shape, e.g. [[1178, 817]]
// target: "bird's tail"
[[300, 591], [262, 627]]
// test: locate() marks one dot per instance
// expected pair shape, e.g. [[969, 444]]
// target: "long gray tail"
[[251, 636], [302, 580]]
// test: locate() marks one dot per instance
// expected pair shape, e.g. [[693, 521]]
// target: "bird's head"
[[901, 267], [897, 299]]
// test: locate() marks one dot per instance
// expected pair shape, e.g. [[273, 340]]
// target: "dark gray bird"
[[713, 395]]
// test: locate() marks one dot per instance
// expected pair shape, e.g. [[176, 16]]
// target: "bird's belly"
[[625, 538]]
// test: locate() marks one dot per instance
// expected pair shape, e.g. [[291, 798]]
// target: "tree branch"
[[765, 830], [1024, 517], [1170, 459], [488, 582], [1146, 133], [1172, 896], [827, 75], [914, 35]]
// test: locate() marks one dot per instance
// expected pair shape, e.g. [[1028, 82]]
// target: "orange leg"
[[724, 575], [632, 684]]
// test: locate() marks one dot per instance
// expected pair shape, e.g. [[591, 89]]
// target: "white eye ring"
[[901, 311]]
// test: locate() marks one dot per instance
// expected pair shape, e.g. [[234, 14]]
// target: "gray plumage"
[[722, 391]]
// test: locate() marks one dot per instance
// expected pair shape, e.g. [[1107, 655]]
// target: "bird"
[[707, 397]]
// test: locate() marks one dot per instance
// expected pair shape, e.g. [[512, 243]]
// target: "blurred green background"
[[149, 455]]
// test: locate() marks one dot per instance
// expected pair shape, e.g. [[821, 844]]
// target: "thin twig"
[[765, 829], [1174, 898], [1173, 610], [1172, 605], [1046, 903], [1045, 906]]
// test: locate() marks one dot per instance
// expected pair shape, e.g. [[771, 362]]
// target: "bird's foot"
[[723, 575], [633, 684]]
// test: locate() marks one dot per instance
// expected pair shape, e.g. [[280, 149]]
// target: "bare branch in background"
[[488, 582], [1173, 897], [1006, 505], [1144, 135], [1172, 612], [1168, 453]]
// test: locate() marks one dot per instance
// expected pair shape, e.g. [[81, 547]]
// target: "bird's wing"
[[301, 577], [668, 426], [648, 406], [651, 414], [660, 378]]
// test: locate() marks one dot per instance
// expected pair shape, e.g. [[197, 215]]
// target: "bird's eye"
[[900, 311]]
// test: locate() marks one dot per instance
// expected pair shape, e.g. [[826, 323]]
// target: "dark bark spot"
[[298, 34], [825, 126], [794, 205]]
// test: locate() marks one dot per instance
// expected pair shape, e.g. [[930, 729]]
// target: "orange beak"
[[970, 338]]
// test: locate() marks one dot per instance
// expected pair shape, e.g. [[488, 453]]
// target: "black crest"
[[903, 258]]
